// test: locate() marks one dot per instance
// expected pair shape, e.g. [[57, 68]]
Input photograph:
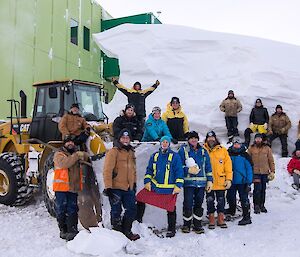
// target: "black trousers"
[[283, 140], [231, 125]]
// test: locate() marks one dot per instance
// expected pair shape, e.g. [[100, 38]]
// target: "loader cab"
[[53, 100]]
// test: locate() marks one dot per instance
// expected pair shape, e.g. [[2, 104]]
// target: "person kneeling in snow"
[[242, 179], [263, 169], [164, 175], [197, 178], [294, 166], [119, 174], [155, 127], [222, 176], [67, 182]]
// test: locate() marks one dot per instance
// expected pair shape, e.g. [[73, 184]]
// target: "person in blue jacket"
[[242, 179], [155, 127], [164, 175], [197, 178]]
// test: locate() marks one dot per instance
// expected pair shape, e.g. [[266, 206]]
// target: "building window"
[[86, 38], [74, 31]]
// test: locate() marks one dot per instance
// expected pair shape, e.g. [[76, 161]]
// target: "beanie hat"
[[230, 92], [76, 105], [297, 145], [258, 135], [258, 100], [278, 106], [137, 84], [175, 99], [167, 138], [192, 134], [69, 138], [156, 109], [237, 140], [210, 134], [128, 106], [124, 132]]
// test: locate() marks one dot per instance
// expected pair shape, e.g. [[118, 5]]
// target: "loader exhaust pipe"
[[23, 104]]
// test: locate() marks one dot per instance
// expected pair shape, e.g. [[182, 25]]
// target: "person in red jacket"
[[294, 167]]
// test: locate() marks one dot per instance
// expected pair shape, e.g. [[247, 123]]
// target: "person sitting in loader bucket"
[[72, 123]]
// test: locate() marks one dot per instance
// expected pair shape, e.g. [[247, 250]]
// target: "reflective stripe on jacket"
[[164, 171], [61, 180], [202, 159]]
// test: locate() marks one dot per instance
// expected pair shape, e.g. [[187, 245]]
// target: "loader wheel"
[[48, 176], [13, 187]]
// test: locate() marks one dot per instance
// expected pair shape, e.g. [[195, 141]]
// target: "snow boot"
[[198, 212], [187, 221], [140, 211], [211, 218], [116, 225], [171, 224], [246, 217], [295, 186], [72, 223], [63, 230], [126, 229], [221, 223], [263, 209], [256, 209], [230, 211]]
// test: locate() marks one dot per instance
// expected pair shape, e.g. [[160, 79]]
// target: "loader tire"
[[14, 190], [47, 181]]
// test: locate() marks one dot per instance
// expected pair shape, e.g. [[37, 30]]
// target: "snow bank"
[[100, 242], [200, 67]]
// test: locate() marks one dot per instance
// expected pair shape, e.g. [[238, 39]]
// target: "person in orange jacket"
[[222, 179], [66, 184]]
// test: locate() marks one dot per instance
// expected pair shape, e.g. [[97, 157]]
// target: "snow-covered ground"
[[199, 67]]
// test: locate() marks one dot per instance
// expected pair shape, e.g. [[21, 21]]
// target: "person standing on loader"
[[119, 174], [197, 178], [72, 123], [231, 106], [222, 177], [137, 97], [66, 184]]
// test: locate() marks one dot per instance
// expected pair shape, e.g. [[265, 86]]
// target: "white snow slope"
[[199, 67]]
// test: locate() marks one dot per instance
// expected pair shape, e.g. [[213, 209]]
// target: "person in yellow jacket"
[[222, 177], [176, 120]]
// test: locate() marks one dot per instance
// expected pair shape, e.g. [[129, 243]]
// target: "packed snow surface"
[[199, 67]]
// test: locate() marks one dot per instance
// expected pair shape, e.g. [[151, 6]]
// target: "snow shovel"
[[163, 201]]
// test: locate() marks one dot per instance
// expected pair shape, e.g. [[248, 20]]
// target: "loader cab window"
[[89, 100], [48, 102]]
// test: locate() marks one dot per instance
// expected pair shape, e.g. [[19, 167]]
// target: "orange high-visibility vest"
[[61, 181]]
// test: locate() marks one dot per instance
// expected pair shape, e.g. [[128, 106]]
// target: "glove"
[[227, 184], [114, 81], [296, 171], [148, 186], [157, 83], [265, 125], [176, 190], [174, 141], [81, 155], [271, 176], [194, 170], [209, 186], [112, 197], [282, 131]]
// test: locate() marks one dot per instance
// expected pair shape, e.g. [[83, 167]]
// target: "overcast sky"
[[273, 19]]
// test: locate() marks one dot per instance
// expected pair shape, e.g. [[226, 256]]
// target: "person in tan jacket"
[[279, 125], [263, 169], [66, 184], [231, 106], [72, 123], [119, 176], [222, 178]]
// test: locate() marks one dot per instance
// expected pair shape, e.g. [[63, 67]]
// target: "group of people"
[[209, 171]]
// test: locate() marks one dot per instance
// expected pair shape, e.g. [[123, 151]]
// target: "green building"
[[51, 40]]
